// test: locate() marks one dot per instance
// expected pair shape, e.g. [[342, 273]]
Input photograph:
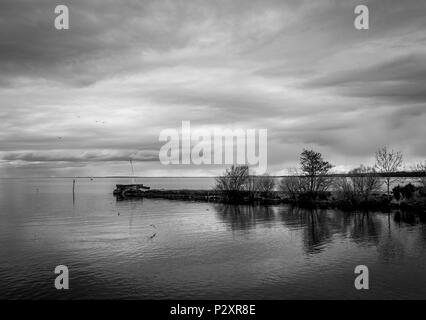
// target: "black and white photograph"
[[232, 150]]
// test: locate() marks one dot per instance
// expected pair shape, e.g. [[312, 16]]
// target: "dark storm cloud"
[[126, 70], [79, 156], [401, 79], [102, 41], [108, 37]]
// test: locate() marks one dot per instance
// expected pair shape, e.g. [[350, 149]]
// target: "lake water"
[[161, 249]]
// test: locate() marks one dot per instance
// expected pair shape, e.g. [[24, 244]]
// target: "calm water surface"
[[160, 249]]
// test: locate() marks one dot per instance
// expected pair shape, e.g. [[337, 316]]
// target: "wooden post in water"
[[73, 191]]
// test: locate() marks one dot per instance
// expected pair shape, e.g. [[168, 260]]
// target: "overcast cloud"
[[85, 100]]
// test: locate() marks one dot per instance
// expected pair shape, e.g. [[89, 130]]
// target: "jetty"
[[198, 195], [130, 190], [378, 202]]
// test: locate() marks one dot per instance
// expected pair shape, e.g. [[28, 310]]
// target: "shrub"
[[265, 184], [294, 184], [405, 192], [359, 186], [345, 188], [236, 183], [365, 181], [234, 179], [421, 169]]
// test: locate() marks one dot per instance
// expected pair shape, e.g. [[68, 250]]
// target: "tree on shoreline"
[[388, 162], [365, 182], [235, 178], [315, 168], [360, 185], [294, 184], [264, 184], [421, 168]]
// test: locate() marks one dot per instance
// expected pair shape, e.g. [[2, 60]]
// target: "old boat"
[[129, 190]]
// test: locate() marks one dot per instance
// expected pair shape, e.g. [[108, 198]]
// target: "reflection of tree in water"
[[402, 219], [244, 217], [316, 225], [408, 218], [387, 232], [319, 227], [365, 229], [390, 247]]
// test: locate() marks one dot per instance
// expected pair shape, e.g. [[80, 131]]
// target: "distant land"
[[399, 174]]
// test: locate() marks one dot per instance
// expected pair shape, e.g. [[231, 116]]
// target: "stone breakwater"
[[205, 195], [378, 202]]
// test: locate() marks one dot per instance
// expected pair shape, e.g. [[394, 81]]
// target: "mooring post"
[[73, 191]]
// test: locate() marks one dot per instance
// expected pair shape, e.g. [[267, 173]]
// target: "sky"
[[83, 101]]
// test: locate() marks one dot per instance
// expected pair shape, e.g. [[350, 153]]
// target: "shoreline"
[[378, 202]]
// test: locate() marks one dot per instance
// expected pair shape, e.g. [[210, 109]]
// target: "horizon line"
[[401, 174]]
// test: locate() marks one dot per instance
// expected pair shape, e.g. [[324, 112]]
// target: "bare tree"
[[294, 184], [345, 187], [260, 185], [235, 178], [388, 162], [421, 169], [251, 185], [265, 184], [315, 168], [365, 181], [359, 185]]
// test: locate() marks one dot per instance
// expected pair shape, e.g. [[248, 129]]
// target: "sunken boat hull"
[[130, 190]]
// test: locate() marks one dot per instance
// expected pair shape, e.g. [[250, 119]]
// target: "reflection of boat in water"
[[130, 189]]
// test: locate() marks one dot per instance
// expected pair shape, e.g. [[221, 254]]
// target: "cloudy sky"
[[84, 101]]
